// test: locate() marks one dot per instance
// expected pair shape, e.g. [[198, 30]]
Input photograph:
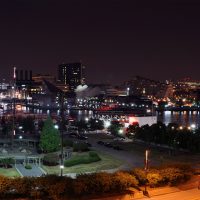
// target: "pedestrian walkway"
[[36, 171]]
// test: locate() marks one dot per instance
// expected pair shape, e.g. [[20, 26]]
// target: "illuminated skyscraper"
[[71, 74]]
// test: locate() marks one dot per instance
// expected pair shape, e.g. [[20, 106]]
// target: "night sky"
[[114, 39]]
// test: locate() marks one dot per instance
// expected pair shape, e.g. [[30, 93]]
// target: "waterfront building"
[[23, 78], [71, 74], [144, 86]]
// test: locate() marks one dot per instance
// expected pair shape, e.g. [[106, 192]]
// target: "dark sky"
[[114, 39]]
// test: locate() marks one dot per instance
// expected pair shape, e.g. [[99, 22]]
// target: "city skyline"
[[115, 40]]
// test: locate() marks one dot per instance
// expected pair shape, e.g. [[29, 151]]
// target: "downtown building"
[[71, 74]]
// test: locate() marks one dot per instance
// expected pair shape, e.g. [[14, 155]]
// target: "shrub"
[[7, 162], [21, 186], [123, 180], [140, 175], [51, 159], [154, 178], [100, 183], [28, 166], [51, 186], [173, 176], [80, 185], [93, 154], [5, 184], [82, 159]]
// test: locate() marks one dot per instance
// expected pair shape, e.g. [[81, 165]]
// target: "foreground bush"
[[101, 183], [56, 187], [82, 159], [154, 178], [140, 175], [123, 180], [165, 175]]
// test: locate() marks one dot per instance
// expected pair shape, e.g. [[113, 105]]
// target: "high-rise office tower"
[[71, 74]]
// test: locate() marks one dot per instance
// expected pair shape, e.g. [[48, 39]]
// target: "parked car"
[[82, 137], [119, 139]]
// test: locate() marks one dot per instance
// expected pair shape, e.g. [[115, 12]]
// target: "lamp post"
[[61, 130], [146, 167], [14, 111]]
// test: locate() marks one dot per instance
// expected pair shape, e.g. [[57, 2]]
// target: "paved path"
[[34, 172]]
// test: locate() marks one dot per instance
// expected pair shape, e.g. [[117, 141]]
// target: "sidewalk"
[[34, 172]]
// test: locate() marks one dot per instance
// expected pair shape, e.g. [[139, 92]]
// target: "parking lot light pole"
[[146, 167], [61, 130]]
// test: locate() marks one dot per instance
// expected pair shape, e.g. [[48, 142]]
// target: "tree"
[[96, 124], [115, 127], [50, 138], [132, 129]]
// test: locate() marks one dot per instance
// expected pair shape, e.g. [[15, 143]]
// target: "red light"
[[132, 120]]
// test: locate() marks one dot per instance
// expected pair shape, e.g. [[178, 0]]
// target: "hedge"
[[82, 159], [56, 187]]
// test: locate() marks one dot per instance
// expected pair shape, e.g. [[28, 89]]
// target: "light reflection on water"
[[182, 118]]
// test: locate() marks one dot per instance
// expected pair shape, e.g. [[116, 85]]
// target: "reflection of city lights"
[[18, 107]]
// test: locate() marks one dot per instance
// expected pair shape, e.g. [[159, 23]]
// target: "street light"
[[61, 130], [127, 91], [56, 126], [193, 126], [146, 167], [61, 166]]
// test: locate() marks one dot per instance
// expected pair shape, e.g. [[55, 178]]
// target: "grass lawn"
[[107, 162], [11, 172]]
